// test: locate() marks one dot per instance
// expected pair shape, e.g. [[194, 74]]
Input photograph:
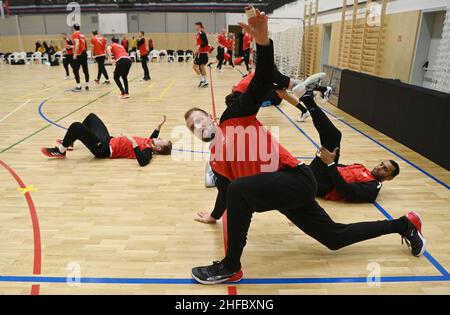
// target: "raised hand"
[[162, 122], [258, 26]]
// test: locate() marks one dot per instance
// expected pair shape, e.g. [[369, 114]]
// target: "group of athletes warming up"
[[75, 55], [282, 182], [251, 170]]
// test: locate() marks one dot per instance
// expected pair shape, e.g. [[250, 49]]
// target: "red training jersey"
[[199, 41], [247, 41], [229, 44], [118, 51], [121, 147], [124, 43], [242, 86], [81, 40], [243, 147], [99, 44], [222, 40], [69, 50], [355, 173], [143, 49]]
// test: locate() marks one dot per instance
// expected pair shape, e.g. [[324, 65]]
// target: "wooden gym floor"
[[130, 230]]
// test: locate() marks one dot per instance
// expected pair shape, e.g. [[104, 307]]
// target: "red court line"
[[231, 290], [37, 263]]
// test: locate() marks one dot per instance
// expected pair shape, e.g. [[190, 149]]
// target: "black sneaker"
[[205, 84], [413, 236], [215, 274], [76, 89], [200, 84], [53, 153], [86, 88]]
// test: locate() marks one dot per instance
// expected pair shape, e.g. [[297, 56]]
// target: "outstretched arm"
[[155, 133], [250, 102]]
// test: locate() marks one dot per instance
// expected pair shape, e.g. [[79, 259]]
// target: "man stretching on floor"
[[278, 181], [93, 133]]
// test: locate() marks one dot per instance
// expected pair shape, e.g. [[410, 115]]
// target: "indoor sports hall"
[[128, 214]]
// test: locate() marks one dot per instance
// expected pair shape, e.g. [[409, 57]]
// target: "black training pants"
[[144, 61], [93, 133], [247, 58], [68, 60], [330, 139], [292, 192], [101, 67], [122, 69], [220, 56], [81, 61]]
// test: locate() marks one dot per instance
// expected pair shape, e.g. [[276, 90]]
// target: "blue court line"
[[45, 117], [390, 150], [430, 258], [188, 281]]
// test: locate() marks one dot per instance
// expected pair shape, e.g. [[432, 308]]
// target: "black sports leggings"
[[247, 58], [81, 61], [144, 60], [101, 67], [122, 69], [330, 139], [68, 60], [93, 133], [293, 192], [220, 56]]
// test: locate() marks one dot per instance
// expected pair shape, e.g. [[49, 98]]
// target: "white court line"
[[15, 110]]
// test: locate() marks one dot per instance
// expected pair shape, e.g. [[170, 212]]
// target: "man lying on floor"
[[93, 133]]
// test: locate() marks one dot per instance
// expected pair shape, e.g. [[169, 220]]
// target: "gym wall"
[[398, 45], [414, 116], [178, 26]]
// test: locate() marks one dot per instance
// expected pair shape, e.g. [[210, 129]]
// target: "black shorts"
[[201, 59], [274, 98]]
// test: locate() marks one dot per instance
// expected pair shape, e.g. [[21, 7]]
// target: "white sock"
[[205, 79], [202, 78], [61, 148], [79, 86]]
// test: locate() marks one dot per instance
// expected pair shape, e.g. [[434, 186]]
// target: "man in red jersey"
[[123, 66], [260, 180], [67, 54], [247, 49], [201, 54], [93, 133], [144, 55], [229, 44], [221, 41], [79, 58], [124, 43], [98, 43]]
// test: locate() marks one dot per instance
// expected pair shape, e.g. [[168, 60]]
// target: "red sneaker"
[[413, 236], [53, 153]]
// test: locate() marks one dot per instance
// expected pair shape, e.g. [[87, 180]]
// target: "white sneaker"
[[67, 78], [303, 117], [325, 96], [300, 89], [210, 178], [315, 78]]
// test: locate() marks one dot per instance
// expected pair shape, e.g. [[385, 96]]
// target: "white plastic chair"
[[14, 56], [154, 55], [36, 56], [133, 56], [59, 56], [188, 56], [163, 54]]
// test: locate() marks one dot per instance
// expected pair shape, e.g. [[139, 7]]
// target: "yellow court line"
[[163, 93]]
